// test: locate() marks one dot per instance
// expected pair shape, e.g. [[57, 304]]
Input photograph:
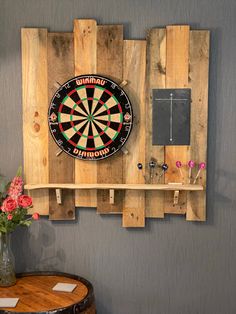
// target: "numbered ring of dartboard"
[[90, 117]]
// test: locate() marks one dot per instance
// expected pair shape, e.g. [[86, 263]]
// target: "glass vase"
[[7, 271]]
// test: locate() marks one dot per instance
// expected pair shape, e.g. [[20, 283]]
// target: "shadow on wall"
[[35, 248]]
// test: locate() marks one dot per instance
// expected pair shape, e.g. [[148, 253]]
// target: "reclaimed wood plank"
[[109, 64], [85, 42], [61, 167], [156, 78], [135, 62], [198, 76], [35, 107], [177, 71], [125, 186]]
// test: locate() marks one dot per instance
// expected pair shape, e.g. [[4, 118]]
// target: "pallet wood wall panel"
[[35, 107], [134, 201], [61, 167], [171, 58], [85, 54], [109, 64], [156, 78], [199, 67], [177, 73]]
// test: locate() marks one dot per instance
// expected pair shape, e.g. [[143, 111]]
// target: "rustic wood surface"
[[114, 186], [177, 71], [61, 167], [85, 53], [156, 78], [199, 67], [35, 107], [36, 295], [175, 58], [135, 62], [109, 64]]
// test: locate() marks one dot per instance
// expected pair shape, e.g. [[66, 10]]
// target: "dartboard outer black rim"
[[90, 117]]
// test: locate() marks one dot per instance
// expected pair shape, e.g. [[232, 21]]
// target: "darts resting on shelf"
[[164, 167]]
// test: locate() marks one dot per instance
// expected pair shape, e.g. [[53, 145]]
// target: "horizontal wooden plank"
[[102, 186]]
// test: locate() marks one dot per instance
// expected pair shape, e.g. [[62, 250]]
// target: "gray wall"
[[172, 266]]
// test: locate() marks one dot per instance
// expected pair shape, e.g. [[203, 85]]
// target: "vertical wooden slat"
[[85, 44], [156, 78], [61, 168], [109, 64], [199, 60], [135, 62], [177, 70], [35, 107]]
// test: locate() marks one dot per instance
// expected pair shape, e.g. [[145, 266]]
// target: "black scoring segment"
[[90, 117]]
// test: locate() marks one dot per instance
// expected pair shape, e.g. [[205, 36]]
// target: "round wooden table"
[[35, 294]]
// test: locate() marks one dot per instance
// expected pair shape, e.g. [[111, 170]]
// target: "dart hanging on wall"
[[90, 117]]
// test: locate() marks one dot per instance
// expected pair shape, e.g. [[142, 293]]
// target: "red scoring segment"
[[90, 136], [92, 119]]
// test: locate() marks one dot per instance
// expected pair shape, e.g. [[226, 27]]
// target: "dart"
[[164, 168], [179, 165], [191, 165], [140, 168], [202, 166], [152, 165]]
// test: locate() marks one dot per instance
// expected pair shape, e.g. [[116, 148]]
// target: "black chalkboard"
[[171, 116]]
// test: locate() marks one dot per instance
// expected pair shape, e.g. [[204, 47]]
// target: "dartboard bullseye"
[[90, 117]]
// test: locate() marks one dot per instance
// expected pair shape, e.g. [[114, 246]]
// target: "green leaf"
[[19, 172]]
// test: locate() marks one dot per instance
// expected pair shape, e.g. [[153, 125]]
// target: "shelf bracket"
[[59, 196], [176, 198], [112, 196]]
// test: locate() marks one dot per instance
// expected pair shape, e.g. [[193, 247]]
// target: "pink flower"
[[16, 187], [24, 201], [9, 204], [9, 217], [35, 216]]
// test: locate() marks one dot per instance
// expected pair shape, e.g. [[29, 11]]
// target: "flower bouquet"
[[14, 207]]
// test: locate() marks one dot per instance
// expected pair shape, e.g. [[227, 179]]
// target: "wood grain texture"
[[35, 107], [107, 186], [177, 70], [85, 42], [198, 76], [109, 64], [134, 61], [36, 295], [61, 168], [156, 78]]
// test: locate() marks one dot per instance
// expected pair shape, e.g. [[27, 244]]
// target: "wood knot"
[[45, 161], [36, 114], [70, 213], [36, 127]]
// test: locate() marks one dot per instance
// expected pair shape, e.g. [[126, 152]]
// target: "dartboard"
[[90, 117]]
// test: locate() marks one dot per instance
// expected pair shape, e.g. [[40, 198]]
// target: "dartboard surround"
[[90, 117]]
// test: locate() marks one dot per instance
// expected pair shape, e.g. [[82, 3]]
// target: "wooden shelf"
[[147, 187]]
